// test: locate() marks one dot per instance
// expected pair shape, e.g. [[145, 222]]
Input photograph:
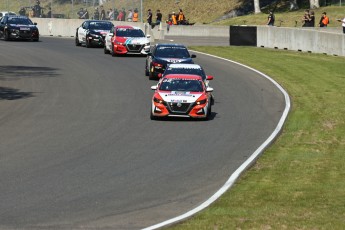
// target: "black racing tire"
[[77, 43], [105, 50], [151, 77], [153, 117], [6, 36], [88, 44], [112, 51], [209, 112], [147, 72]]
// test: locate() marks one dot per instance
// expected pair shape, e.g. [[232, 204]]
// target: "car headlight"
[[157, 100], [201, 102], [94, 35]]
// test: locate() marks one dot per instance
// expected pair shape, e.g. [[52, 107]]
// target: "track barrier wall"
[[328, 41]]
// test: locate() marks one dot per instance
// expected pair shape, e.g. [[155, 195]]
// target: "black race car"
[[18, 27], [163, 54], [92, 33]]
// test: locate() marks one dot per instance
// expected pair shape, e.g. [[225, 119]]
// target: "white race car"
[[126, 40]]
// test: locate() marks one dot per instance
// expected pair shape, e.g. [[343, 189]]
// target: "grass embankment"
[[197, 11], [298, 183], [289, 19]]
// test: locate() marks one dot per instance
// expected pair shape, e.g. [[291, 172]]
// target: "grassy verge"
[[298, 183], [289, 19]]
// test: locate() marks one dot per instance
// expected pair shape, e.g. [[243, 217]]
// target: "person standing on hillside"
[[149, 17], [312, 19], [324, 21], [135, 15], [343, 23], [270, 19], [174, 18], [102, 16], [306, 19], [130, 15], [181, 18], [158, 19]]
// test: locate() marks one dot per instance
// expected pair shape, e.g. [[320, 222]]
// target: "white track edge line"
[[233, 178]]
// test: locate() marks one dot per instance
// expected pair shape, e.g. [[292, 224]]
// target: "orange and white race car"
[[181, 95]]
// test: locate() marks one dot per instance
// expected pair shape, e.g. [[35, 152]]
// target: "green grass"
[[299, 182]]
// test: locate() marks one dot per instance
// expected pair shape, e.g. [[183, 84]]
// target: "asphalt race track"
[[78, 150]]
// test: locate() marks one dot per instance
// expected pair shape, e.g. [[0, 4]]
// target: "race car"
[[18, 27], [92, 33], [181, 95], [126, 40], [163, 54]]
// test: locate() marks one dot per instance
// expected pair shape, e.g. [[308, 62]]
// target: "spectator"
[[130, 16], [102, 16], [149, 17], [116, 14], [312, 19], [49, 14], [135, 15], [343, 23], [111, 14], [270, 19], [306, 19], [80, 13], [96, 14], [124, 14], [181, 18], [158, 19], [22, 11], [120, 17], [85, 15], [324, 21], [37, 9], [174, 18]]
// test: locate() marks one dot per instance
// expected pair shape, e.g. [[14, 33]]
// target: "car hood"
[[133, 40], [179, 96]]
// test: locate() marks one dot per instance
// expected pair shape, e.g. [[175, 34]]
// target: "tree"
[[257, 9]]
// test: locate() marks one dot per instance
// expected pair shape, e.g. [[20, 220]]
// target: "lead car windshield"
[[188, 85], [172, 52]]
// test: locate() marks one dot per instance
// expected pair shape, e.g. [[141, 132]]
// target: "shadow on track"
[[13, 94], [7, 72]]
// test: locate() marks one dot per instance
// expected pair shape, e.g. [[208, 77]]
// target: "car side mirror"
[[35, 23], [154, 87], [209, 78], [209, 89], [193, 56], [148, 36]]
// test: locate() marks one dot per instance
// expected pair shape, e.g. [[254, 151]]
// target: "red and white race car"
[[126, 40], [181, 95]]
